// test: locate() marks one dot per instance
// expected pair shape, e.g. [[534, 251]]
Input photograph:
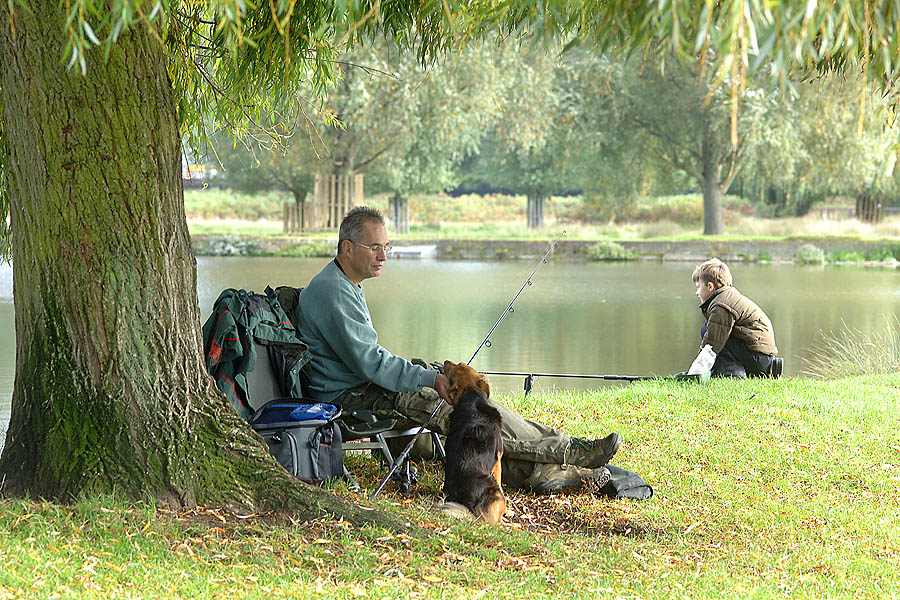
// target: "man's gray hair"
[[352, 225]]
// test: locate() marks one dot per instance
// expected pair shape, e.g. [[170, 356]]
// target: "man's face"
[[704, 290], [362, 263]]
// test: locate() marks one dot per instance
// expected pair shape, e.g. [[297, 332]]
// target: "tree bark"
[[300, 204], [712, 205], [110, 394], [711, 183]]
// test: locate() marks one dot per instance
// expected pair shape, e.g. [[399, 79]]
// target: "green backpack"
[[241, 325]]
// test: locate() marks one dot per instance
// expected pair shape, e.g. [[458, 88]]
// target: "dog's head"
[[462, 377]]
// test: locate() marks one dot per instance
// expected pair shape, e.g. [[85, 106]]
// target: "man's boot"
[[548, 478], [592, 454], [776, 368]]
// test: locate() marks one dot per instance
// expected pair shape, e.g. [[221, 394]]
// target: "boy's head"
[[710, 276]]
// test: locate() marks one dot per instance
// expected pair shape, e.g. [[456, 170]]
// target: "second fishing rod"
[[485, 343]]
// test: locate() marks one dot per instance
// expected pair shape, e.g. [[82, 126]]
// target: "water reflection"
[[624, 319]]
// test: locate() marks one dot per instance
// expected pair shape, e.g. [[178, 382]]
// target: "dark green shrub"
[[609, 250]]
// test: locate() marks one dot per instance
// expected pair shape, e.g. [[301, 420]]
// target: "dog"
[[474, 448]]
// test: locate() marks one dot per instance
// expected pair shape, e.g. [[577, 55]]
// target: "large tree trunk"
[[712, 187], [110, 395], [712, 205]]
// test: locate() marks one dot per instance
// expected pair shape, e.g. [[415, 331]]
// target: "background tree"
[[398, 122], [826, 138], [110, 394], [288, 162], [608, 159], [682, 119], [526, 150]]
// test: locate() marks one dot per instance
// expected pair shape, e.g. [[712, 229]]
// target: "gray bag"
[[303, 437], [626, 484]]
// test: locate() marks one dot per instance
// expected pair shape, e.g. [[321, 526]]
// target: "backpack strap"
[[289, 299]]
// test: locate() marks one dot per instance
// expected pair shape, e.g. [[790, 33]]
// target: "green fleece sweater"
[[336, 325]]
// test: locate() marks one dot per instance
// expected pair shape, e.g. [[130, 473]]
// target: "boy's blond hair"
[[713, 271]]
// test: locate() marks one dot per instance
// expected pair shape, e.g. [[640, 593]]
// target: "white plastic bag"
[[704, 361]]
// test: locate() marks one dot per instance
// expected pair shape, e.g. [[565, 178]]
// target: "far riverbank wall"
[[697, 250]]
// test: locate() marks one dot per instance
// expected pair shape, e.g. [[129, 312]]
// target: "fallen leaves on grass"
[[584, 514]]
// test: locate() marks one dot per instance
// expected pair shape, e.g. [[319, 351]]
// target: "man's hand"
[[442, 386]]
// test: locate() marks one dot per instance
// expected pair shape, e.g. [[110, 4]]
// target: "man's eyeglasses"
[[376, 248]]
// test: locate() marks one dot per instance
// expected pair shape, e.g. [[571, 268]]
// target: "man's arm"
[[350, 334]]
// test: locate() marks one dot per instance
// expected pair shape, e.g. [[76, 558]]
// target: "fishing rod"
[[529, 377], [485, 343]]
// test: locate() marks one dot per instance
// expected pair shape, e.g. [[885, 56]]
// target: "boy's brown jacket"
[[728, 313]]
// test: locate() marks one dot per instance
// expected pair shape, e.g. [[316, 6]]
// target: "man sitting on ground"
[[350, 368], [738, 330]]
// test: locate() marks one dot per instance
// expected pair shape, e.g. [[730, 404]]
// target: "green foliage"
[[830, 137], [528, 149], [764, 257], [685, 209], [880, 254], [809, 254], [667, 129], [848, 352], [607, 250], [844, 256], [884, 253]]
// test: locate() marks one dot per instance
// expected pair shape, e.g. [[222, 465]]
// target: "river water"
[[588, 318]]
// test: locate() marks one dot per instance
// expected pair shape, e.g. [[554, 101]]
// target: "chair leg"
[[406, 476], [386, 455]]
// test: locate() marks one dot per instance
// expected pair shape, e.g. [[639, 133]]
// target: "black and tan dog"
[[474, 448]]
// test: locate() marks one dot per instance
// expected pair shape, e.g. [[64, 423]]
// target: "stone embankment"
[[727, 250]]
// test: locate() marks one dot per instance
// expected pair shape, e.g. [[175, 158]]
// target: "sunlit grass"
[[763, 488]]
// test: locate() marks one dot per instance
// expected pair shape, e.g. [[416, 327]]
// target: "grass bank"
[[437, 216], [785, 488]]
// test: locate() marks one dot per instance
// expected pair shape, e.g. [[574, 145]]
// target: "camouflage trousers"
[[525, 442]]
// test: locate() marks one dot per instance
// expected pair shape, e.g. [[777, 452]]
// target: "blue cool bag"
[[303, 437]]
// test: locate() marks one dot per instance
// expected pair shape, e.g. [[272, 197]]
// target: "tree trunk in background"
[[712, 200], [535, 211], [110, 393]]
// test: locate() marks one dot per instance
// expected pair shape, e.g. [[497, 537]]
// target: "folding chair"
[[365, 431]]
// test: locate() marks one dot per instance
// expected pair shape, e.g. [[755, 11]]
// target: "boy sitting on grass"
[[738, 330]]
